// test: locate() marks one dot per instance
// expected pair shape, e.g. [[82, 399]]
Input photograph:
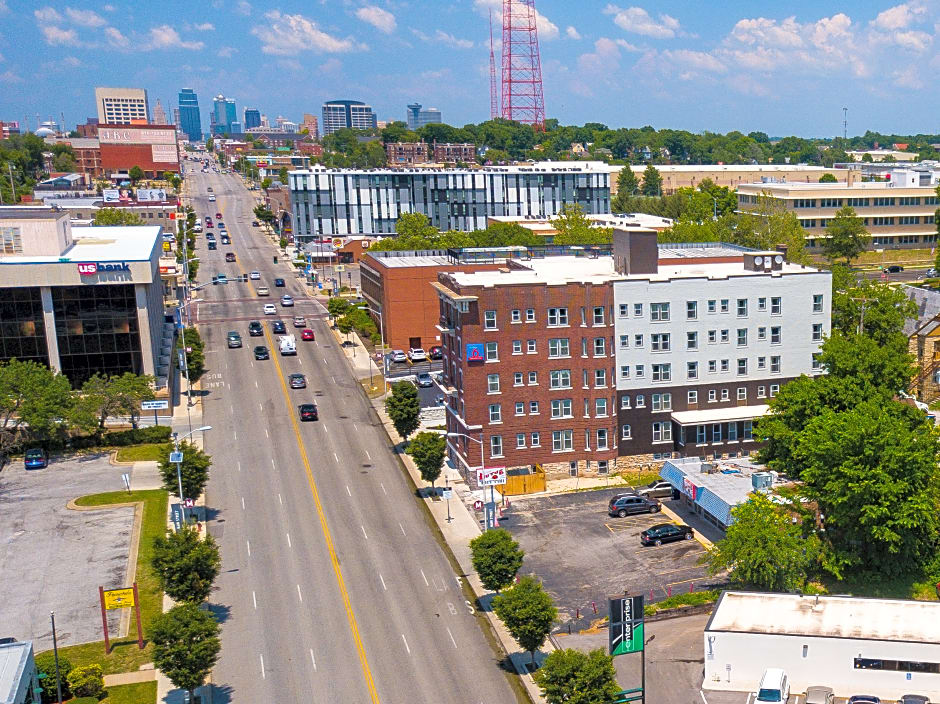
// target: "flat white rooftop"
[[123, 243], [827, 617], [13, 660], [720, 415], [841, 186]]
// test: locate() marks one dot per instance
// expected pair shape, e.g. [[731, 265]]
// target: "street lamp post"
[[382, 352], [189, 385], [491, 506], [55, 651], [177, 458]]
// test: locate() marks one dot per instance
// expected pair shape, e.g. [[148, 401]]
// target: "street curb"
[[706, 543]]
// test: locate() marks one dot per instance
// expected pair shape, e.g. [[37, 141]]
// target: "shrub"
[[45, 665], [140, 436], [86, 681]]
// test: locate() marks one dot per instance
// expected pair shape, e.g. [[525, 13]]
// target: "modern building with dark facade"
[[81, 300], [587, 365], [252, 118], [353, 114], [419, 118], [190, 119], [327, 202], [223, 114]]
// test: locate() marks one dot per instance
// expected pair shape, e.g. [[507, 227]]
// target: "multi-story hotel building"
[[899, 212], [327, 202], [586, 365]]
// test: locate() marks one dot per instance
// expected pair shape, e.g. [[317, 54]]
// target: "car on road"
[[665, 533], [263, 291], [270, 309], [230, 256], [417, 354], [625, 504], [209, 189], [209, 224], [255, 329], [424, 380], [218, 216], [255, 223], [208, 218], [36, 458], [659, 489], [300, 321], [931, 273], [226, 240], [307, 335], [436, 352], [279, 283], [212, 246], [221, 224], [913, 699], [287, 301], [211, 198], [863, 699], [254, 275], [297, 381], [234, 339], [308, 411], [894, 269], [221, 278], [819, 695], [398, 356], [261, 352], [278, 327]]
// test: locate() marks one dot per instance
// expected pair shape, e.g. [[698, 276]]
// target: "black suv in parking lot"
[[625, 504]]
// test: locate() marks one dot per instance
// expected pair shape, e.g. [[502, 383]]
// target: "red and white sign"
[[478, 506], [136, 135], [88, 269], [491, 476], [688, 488]]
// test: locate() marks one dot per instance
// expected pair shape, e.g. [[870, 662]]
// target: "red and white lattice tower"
[[522, 68], [494, 95]]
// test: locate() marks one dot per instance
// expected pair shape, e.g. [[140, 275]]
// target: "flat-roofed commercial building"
[[899, 213], [82, 300], [19, 683], [154, 148], [676, 176], [122, 106]]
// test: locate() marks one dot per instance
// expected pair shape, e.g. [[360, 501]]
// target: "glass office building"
[[190, 122]]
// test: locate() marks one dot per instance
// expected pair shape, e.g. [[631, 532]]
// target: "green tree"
[[45, 665], [185, 645], [130, 390], [64, 162], [828, 178], [496, 558], [627, 186], [528, 613], [87, 681], [337, 307], [210, 144], [264, 214], [282, 174], [763, 549], [99, 399], [345, 325], [135, 174], [870, 307], [116, 216], [194, 469], [415, 225], [768, 225], [185, 564], [652, 182], [846, 236], [195, 353], [33, 399], [403, 408], [428, 451], [265, 183], [574, 228], [570, 676]]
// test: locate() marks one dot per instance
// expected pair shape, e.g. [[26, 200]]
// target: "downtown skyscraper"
[[190, 122]]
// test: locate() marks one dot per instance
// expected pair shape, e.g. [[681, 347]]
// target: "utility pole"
[[845, 123], [12, 185], [55, 651]]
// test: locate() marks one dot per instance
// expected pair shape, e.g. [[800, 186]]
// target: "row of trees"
[[22, 154]]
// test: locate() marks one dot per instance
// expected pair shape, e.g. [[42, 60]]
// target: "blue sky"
[[783, 68]]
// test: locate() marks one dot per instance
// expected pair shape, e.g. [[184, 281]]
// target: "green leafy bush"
[[86, 681], [45, 665]]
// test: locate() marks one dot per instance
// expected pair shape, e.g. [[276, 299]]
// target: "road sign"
[[189, 503], [176, 457], [477, 505], [154, 405], [118, 598], [447, 493], [625, 634], [491, 476]]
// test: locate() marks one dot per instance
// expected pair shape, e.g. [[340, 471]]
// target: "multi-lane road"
[[334, 588]]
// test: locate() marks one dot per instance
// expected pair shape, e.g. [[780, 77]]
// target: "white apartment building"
[[121, 106]]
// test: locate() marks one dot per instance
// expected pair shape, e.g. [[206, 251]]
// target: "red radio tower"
[[522, 68], [494, 98]]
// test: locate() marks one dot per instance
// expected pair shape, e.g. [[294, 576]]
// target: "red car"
[[218, 216], [209, 224], [307, 334]]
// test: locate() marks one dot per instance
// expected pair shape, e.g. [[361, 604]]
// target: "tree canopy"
[[186, 645], [846, 236], [403, 408], [496, 558], [185, 564], [116, 216], [528, 613], [428, 451], [571, 676]]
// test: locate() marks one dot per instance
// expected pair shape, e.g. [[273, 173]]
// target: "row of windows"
[[662, 342], [875, 221], [663, 402], [562, 441], [878, 202], [663, 372], [559, 408], [557, 379], [720, 432]]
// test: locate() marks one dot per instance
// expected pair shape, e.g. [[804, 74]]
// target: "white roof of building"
[[125, 243], [13, 660], [840, 186], [720, 415], [827, 617]]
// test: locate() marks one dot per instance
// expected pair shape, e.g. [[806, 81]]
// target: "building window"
[[624, 310], [496, 413], [691, 340], [659, 311], [520, 441], [561, 408], [713, 336], [775, 365], [691, 310], [637, 310], [640, 371], [761, 392], [742, 393], [637, 340], [533, 378], [725, 305], [748, 430], [761, 304], [557, 316], [600, 407], [516, 315], [520, 408], [742, 337], [776, 307], [625, 401], [661, 402], [817, 332], [601, 442], [625, 432], [712, 366], [692, 398], [817, 303], [662, 372], [559, 379], [625, 371], [496, 446], [700, 434], [558, 347], [530, 346], [816, 364], [492, 383], [600, 346], [725, 365], [742, 367], [517, 379], [774, 390], [492, 351], [624, 342], [659, 342], [662, 431], [732, 432], [533, 408], [761, 333], [562, 440], [742, 307], [724, 394], [691, 370], [11, 240], [640, 401], [716, 432], [535, 440], [516, 346], [530, 315], [775, 335], [712, 395], [600, 378], [712, 305], [726, 336], [598, 315], [489, 320]]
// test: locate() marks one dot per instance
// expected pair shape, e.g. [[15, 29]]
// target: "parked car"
[[417, 354], [626, 504], [297, 381], [270, 309], [254, 275], [308, 411], [913, 699], [221, 279], [307, 334], [230, 256], [278, 327], [279, 283], [255, 223], [287, 301], [665, 533], [436, 352], [300, 321], [424, 380], [659, 489], [774, 686], [255, 329], [261, 352], [819, 695], [36, 458], [234, 339], [894, 269], [398, 356], [864, 699]]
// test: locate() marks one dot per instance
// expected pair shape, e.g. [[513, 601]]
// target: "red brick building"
[[406, 153], [309, 148], [151, 147], [448, 153]]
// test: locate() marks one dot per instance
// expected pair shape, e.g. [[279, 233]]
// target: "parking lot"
[[583, 556], [53, 558]]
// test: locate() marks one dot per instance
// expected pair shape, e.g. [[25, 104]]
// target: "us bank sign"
[[92, 268]]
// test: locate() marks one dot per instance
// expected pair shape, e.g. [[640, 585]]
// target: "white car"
[[398, 356], [255, 275], [270, 309], [416, 354], [287, 301]]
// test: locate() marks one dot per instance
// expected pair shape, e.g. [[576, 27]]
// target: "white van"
[[774, 686]]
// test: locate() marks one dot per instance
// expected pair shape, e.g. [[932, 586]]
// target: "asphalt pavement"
[[333, 586]]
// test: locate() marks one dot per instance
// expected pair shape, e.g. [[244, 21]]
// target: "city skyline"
[[671, 65]]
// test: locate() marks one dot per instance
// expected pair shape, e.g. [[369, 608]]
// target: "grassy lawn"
[[140, 453], [894, 255], [904, 587], [125, 655], [137, 693]]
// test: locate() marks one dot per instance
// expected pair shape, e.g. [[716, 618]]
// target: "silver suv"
[[659, 489]]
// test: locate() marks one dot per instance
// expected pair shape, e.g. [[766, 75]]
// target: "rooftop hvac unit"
[[761, 480], [709, 468]]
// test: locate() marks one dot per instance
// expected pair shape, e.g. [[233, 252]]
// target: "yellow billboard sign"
[[118, 598]]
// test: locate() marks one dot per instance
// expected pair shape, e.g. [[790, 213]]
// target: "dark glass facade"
[[97, 330], [22, 330]]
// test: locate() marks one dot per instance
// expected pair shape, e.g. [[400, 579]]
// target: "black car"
[[436, 352], [36, 458], [261, 352], [278, 327], [666, 533], [255, 329], [230, 256], [893, 269], [913, 699], [279, 283], [864, 699], [308, 411], [254, 223], [625, 504], [212, 245], [297, 381], [234, 339]]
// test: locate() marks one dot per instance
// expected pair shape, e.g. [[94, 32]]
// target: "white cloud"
[[452, 41], [116, 38], [331, 65], [108, 8], [226, 52], [547, 29], [908, 78], [72, 61], [47, 14], [58, 36], [289, 34], [382, 20], [165, 37], [290, 64], [639, 21], [694, 61], [10, 77], [604, 60], [204, 27], [85, 18], [572, 33], [243, 8], [768, 32], [898, 17]]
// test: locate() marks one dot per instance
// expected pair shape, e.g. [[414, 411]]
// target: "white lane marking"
[[248, 542], [288, 541], [364, 531], [279, 500], [336, 457], [368, 456], [324, 361], [325, 429], [299, 595], [426, 582], [452, 638], [273, 465], [333, 378], [382, 579], [239, 465], [234, 436], [266, 434], [261, 408], [402, 529], [254, 599], [406, 643], [348, 491], [243, 503], [232, 409], [383, 488], [301, 361], [314, 661], [262, 665], [256, 383], [355, 427]]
